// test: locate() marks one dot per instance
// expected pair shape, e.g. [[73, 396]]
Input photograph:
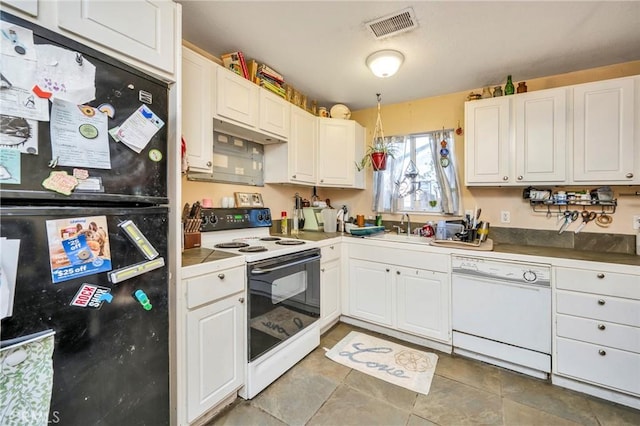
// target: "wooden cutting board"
[[484, 246]]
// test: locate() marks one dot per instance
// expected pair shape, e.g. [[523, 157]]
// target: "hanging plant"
[[380, 148]]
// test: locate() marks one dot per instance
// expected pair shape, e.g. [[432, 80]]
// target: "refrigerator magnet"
[[91, 296], [60, 182], [155, 155]]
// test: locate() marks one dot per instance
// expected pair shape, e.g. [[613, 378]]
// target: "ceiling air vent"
[[393, 24]]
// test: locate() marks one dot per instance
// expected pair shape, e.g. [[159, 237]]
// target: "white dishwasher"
[[501, 313]]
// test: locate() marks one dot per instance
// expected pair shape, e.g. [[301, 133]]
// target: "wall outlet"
[[636, 221], [505, 216]]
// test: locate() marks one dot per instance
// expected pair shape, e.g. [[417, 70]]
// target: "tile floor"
[[318, 391]]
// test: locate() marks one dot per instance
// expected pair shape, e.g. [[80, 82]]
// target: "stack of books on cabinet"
[[260, 74]]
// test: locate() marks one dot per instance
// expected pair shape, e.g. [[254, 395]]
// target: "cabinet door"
[[197, 123], [329, 292], [370, 291], [27, 6], [336, 148], [303, 143], [541, 136], [423, 303], [274, 114], [143, 30], [215, 353], [604, 131], [487, 141], [235, 98]]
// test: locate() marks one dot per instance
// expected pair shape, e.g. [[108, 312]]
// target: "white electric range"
[[283, 291]]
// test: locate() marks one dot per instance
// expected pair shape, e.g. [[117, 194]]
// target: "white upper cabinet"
[[235, 98], [541, 136], [340, 144], [142, 30], [274, 114], [27, 6], [197, 122], [142, 33], [574, 135], [603, 121], [297, 160], [487, 146], [245, 110]]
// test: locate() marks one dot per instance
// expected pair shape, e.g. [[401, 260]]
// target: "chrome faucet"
[[408, 222]]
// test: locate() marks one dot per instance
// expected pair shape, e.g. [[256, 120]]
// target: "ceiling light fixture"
[[385, 63]]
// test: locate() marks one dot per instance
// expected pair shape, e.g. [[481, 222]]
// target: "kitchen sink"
[[402, 238]]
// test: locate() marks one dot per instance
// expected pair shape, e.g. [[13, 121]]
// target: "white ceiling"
[[320, 46]]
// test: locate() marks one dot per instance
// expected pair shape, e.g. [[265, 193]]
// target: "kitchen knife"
[[185, 212]]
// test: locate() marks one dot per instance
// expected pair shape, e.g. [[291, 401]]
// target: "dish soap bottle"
[[508, 88], [283, 223]]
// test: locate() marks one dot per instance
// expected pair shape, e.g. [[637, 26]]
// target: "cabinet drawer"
[[599, 282], [210, 287], [606, 308], [599, 332], [599, 364], [401, 257], [330, 252]]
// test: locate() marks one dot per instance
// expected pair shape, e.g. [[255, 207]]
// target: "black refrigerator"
[[83, 242]]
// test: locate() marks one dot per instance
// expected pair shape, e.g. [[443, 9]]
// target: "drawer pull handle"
[[602, 352], [397, 272], [387, 269], [601, 302], [241, 300], [221, 276], [601, 275], [601, 327], [321, 269]]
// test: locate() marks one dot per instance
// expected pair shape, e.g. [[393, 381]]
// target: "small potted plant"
[[377, 154]]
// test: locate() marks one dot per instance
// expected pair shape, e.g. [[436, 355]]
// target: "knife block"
[[192, 240]]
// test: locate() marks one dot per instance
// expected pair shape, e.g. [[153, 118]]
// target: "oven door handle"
[[260, 271]]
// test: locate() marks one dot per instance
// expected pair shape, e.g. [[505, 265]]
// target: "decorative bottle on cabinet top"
[[508, 88], [522, 87], [486, 93], [497, 91]]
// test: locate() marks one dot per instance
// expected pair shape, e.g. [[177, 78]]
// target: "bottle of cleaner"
[[283, 223]]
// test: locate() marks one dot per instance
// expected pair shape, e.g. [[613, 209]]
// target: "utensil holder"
[[192, 240]]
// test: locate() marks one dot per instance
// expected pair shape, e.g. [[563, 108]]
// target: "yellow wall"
[[430, 114]]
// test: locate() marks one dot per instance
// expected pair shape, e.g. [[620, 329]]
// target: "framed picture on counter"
[[256, 200], [243, 199]]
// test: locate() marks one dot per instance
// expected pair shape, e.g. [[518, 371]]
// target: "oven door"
[[283, 298]]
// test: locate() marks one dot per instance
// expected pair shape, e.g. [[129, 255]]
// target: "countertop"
[[203, 255], [196, 256]]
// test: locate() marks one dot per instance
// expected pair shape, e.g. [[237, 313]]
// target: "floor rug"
[[397, 364]]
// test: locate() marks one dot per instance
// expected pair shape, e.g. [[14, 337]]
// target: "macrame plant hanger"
[[378, 155]]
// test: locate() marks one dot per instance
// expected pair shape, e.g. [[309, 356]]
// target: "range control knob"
[[213, 219], [260, 217], [529, 276]]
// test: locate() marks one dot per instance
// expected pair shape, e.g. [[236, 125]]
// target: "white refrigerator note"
[[9, 250], [138, 129], [67, 75], [79, 136]]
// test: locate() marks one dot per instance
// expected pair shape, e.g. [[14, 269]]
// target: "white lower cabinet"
[[597, 330], [391, 287], [370, 291], [330, 283], [420, 298], [215, 344]]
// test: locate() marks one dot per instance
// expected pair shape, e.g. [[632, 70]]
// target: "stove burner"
[[231, 245], [270, 239], [290, 242], [253, 249]]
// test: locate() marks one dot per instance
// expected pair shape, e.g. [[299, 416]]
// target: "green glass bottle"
[[508, 88]]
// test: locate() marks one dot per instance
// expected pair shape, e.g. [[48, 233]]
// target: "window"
[[421, 178]]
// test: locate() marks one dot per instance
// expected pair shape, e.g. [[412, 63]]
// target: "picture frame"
[[243, 199], [256, 200]]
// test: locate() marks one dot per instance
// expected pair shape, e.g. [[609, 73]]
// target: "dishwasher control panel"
[[516, 272]]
